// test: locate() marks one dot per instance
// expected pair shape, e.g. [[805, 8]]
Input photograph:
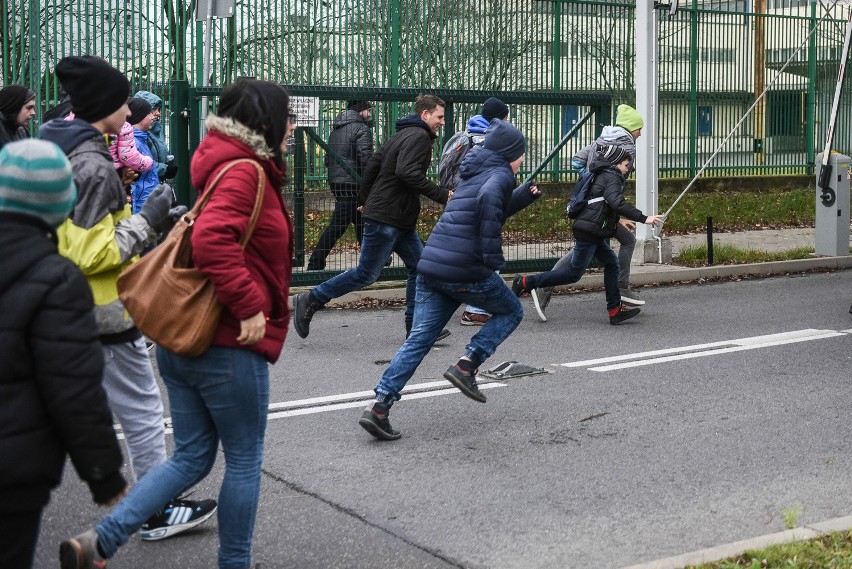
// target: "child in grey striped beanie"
[[36, 180]]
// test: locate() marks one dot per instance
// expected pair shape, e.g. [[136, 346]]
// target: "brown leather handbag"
[[173, 303]]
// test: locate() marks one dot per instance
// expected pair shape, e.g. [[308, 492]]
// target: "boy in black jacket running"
[[593, 227]]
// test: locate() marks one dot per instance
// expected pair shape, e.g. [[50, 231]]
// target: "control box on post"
[[832, 206]]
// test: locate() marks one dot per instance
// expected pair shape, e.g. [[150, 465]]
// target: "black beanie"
[[97, 89], [615, 155], [504, 139], [139, 109], [12, 100], [359, 106], [494, 108]]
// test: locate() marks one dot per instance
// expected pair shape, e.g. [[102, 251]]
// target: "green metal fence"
[[311, 203], [714, 56], [550, 59]]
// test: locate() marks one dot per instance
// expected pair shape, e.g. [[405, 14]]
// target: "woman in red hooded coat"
[[223, 395]]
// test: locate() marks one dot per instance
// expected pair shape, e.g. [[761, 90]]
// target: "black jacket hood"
[[413, 120]]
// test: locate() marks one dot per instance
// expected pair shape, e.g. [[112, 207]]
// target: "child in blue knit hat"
[[52, 402]]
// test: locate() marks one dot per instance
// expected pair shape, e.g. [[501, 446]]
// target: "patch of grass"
[[791, 516], [733, 211], [546, 221], [731, 255], [828, 551]]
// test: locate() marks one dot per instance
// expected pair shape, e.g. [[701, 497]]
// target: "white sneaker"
[[630, 295], [539, 307]]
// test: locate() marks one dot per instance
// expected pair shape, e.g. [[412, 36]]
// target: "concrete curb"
[[738, 547], [640, 275]]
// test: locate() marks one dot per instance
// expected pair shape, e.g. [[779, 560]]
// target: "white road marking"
[[702, 350], [299, 407], [312, 405]]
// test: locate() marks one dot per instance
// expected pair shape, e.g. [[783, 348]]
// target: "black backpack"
[[580, 195]]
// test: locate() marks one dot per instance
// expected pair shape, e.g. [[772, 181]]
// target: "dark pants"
[[20, 533], [582, 256], [345, 213]]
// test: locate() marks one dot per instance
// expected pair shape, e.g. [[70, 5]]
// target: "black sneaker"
[[622, 313], [303, 310], [177, 516], [466, 382], [519, 285], [539, 307], [377, 426], [630, 295]]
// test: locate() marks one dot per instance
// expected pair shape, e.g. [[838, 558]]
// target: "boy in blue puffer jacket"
[[595, 224], [458, 266]]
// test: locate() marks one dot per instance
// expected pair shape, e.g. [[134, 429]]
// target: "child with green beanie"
[[624, 133]]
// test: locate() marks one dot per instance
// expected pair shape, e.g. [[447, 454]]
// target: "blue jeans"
[[580, 259], [436, 303], [379, 240], [222, 395]]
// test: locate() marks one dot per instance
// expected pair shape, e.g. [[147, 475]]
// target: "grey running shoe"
[[538, 306], [630, 295], [466, 382], [544, 295], [378, 426]]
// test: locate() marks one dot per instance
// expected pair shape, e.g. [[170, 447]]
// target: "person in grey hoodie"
[[351, 138], [102, 237]]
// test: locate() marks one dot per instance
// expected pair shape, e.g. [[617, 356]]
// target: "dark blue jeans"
[[582, 256], [378, 242], [345, 213], [436, 303]]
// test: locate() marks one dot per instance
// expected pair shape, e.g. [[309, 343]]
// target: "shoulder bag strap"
[[258, 202]]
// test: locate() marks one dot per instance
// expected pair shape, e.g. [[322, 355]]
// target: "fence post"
[[179, 120], [299, 165]]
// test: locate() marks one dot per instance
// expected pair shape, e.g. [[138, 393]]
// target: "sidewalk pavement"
[[770, 240]]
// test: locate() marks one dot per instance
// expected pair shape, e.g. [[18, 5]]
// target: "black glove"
[[171, 170], [174, 215], [157, 205]]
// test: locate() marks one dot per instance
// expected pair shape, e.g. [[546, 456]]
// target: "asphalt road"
[[708, 441]]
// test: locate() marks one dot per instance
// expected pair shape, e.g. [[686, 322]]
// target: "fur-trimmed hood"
[[228, 140], [230, 127]]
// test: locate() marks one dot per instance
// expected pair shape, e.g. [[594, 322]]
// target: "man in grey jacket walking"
[[352, 139]]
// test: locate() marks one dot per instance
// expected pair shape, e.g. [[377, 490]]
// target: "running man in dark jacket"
[[595, 224], [351, 138], [458, 266], [394, 180]]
